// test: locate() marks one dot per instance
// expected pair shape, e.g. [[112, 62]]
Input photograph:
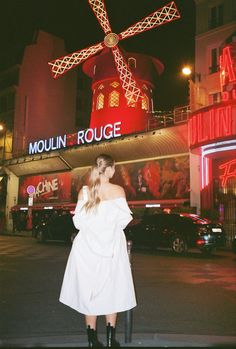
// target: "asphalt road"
[[190, 297]]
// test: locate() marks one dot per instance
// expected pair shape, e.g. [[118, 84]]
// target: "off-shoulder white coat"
[[98, 279]]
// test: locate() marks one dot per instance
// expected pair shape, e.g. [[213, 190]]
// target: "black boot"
[[111, 332], [92, 338]]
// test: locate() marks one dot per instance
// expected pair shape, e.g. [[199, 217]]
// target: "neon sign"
[[81, 137], [229, 171], [211, 124], [228, 72], [227, 69]]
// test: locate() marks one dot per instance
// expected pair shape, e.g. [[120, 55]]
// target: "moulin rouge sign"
[[218, 121], [81, 137]]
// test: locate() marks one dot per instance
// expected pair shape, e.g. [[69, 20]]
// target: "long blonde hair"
[[102, 161]]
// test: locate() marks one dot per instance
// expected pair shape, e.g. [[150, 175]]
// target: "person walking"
[[98, 279]]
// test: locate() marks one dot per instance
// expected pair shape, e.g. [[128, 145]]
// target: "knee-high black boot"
[[92, 338], [111, 333]]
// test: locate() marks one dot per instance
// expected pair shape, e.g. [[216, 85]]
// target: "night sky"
[[73, 20]]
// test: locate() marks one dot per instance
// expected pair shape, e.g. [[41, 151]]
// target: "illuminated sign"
[[211, 124], [227, 68], [81, 137], [228, 72], [229, 168]]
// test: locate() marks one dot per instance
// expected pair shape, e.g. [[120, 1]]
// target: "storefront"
[[153, 168], [212, 135]]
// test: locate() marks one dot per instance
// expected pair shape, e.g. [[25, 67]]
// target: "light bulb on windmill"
[[129, 84]]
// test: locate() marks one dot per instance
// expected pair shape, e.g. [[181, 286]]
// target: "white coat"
[[98, 279]]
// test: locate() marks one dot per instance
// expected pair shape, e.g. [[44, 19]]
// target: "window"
[[216, 16], [114, 84], [214, 61], [7, 102], [214, 98], [100, 101], [132, 63], [145, 102], [114, 97]]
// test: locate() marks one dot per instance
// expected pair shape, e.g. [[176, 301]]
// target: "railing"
[[160, 119]]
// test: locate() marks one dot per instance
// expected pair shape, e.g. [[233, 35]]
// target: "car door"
[[166, 226]]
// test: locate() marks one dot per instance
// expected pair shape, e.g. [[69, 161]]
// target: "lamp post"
[[195, 97]]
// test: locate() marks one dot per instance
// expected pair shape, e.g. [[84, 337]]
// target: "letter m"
[[33, 149]]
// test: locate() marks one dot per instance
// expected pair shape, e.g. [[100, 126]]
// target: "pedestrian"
[[98, 279]]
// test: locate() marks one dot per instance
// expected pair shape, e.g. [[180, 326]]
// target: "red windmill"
[[132, 91]]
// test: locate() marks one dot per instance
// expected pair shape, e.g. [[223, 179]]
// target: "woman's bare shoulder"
[[81, 192], [80, 195]]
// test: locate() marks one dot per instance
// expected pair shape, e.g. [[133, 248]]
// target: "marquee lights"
[[205, 161], [83, 137]]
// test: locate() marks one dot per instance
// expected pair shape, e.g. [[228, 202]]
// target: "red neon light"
[[228, 172], [227, 71], [210, 124]]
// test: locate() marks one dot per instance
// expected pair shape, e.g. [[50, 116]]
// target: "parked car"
[[57, 226], [176, 231]]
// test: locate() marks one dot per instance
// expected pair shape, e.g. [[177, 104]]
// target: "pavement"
[[146, 340]]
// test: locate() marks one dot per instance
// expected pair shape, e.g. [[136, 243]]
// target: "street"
[[191, 295]]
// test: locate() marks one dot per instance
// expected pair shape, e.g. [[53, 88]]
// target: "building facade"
[[212, 123]]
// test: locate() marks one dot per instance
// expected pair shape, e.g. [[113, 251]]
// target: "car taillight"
[[200, 242]]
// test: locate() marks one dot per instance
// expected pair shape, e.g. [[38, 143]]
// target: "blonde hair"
[[102, 161]]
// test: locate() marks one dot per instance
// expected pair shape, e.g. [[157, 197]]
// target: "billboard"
[[162, 179]]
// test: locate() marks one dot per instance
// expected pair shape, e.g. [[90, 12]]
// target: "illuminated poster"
[[146, 180], [48, 188]]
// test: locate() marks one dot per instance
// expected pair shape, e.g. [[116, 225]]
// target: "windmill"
[[131, 89]]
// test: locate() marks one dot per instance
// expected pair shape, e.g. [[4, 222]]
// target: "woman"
[[98, 278]]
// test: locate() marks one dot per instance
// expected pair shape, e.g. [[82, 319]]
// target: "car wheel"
[[179, 245], [40, 236]]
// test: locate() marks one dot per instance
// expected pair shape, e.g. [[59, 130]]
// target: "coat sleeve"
[[124, 215]]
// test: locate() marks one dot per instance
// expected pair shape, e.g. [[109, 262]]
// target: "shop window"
[[214, 61], [114, 84], [132, 63], [7, 102], [100, 101], [216, 16], [145, 102], [114, 98]]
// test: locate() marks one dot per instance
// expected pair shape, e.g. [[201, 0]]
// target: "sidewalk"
[[23, 233], [138, 340]]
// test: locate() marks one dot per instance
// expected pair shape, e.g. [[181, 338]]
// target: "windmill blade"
[[164, 15], [100, 12], [61, 65], [129, 85]]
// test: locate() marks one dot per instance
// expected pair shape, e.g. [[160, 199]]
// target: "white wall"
[[12, 197], [195, 181]]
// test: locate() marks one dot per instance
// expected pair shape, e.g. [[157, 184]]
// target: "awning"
[[169, 141]]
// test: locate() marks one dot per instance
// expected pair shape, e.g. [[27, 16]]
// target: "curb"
[[138, 340]]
